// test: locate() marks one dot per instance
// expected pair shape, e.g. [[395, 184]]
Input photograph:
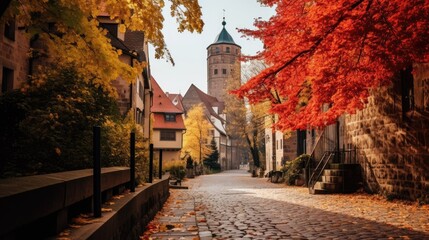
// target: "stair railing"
[[322, 152], [320, 168]]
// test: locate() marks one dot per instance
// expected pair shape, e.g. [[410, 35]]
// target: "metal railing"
[[324, 151], [317, 173]]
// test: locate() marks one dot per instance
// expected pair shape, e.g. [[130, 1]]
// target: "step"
[[333, 172], [318, 191], [332, 179], [331, 187], [336, 166]]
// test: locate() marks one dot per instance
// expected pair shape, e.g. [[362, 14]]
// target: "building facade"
[[213, 111], [168, 125], [14, 61]]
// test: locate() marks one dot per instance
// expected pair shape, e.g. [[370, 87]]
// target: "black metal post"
[[133, 162], [151, 163], [160, 164], [338, 156], [96, 172]]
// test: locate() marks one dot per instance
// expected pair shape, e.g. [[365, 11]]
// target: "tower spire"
[[223, 22]]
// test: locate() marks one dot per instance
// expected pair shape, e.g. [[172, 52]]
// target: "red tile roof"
[[161, 103], [176, 99], [160, 123]]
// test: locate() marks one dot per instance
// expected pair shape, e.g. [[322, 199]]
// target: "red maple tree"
[[334, 53]]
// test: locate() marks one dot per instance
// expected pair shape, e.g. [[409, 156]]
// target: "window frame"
[[169, 117], [167, 135]]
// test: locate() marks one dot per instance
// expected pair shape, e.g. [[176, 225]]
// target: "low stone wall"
[[129, 216], [41, 206]]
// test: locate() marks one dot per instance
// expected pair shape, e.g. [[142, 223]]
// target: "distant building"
[[213, 111], [168, 125], [223, 64]]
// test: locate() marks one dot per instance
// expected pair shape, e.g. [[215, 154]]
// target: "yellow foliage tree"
[[196, 139], [72, 36]]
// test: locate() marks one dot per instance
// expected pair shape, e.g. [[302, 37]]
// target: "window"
[[217, 50], [228, 50], [168, 135], [407, 94], [141, 90], [139, 116], [169, 117], [224, 71], [215, 72], [7, 80], [9, 30]]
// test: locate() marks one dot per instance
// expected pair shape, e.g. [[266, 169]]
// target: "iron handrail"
[[325, 160]]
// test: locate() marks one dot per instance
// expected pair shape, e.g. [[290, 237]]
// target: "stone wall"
[[392, 145], [14, 56]]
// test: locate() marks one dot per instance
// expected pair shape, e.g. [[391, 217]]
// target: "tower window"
[[215, 72], [228, 50], [224, 71], [217, 50], [7, 80]]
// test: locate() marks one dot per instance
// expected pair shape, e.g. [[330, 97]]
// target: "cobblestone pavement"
[[232, 205]]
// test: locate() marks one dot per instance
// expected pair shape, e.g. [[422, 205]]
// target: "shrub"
[[293, 168], [176, 169]]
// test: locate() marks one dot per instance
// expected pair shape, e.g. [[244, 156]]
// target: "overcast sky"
[[189, 50]]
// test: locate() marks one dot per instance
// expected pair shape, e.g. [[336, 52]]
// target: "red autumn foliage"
[[333, 52]]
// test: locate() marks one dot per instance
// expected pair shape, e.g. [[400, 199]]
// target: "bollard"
[[96, 172], [160, 164], [151, 163], [133, 162]]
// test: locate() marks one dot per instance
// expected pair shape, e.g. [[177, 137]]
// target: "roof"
[[161, 103], [176, 99], [208, 101], [160, 123], [224, 37]]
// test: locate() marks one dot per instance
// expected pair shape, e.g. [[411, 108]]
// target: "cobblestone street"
[[232, 205]]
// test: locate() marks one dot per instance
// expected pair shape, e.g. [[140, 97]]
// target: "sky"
[[189, 49]]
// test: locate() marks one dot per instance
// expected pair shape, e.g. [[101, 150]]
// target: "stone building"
[[16, 65], [388, 139], [392, 136], [134, 97], [223, 64], [213, 111], [223, 67], [14, 61]]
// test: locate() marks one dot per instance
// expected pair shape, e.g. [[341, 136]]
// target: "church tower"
[[223, 64]]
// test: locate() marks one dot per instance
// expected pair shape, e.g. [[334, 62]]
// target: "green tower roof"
[[224, 36]]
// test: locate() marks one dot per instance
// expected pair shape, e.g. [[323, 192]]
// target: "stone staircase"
[[338, 178]]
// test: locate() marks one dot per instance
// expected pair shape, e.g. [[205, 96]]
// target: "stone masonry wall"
[[392, 149], [14, 55]]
